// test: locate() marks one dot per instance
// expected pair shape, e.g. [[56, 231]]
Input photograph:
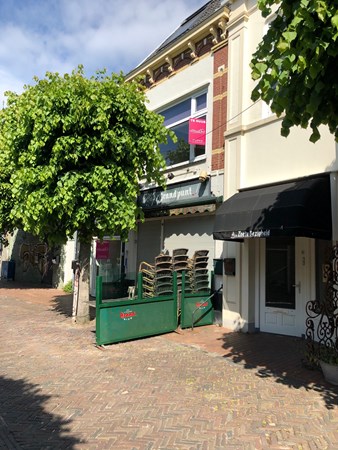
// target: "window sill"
[[186, 163]]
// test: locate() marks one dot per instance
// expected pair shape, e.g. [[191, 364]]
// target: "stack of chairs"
[[148, 277], [180, 262], [163, 275], [198, 271], [157, 277]]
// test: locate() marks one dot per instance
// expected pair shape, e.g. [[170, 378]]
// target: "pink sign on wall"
[[197, 131], [102, 249]]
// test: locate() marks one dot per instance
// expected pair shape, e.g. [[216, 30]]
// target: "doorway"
[[286, 284]]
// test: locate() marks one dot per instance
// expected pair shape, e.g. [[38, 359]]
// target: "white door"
[[285, 284]]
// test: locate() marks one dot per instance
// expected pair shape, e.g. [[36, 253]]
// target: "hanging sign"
[[197, 131], [102, 249]]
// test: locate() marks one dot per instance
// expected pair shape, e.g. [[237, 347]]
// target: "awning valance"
[[299, 208]]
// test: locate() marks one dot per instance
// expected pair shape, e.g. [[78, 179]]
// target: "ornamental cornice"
[[188, 47]]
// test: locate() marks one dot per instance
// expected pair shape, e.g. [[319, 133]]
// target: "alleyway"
[[203, 390]]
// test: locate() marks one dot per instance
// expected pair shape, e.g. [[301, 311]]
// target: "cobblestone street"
[[58, 390]]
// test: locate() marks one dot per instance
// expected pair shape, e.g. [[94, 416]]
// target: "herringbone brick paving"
[[203, 390]]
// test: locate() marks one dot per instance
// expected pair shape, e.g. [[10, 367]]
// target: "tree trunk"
[[82, 310]]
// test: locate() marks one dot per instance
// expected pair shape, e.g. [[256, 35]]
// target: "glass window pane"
[[201, 102], [178, 152], [199, 150], [280, 273], [177, 112]]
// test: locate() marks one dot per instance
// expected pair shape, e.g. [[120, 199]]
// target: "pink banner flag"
[[197, 131], [102, 250]]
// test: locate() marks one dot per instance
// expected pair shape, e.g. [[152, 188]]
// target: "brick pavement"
[[203, 390]]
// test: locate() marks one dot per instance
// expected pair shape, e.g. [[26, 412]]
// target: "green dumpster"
[[196, 308], [125, 319]]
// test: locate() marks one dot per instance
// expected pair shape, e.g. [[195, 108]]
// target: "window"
[[280, 273], [177, 119]]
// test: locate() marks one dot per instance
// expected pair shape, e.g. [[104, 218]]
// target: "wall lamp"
[[170, 176], [203, 176]]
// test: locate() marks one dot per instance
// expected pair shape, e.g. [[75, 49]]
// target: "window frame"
[[194, 113]]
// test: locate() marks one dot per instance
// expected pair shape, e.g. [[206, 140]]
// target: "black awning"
[[299, 208]]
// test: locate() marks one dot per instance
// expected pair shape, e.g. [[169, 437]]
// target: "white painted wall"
[[256, 154], [267, 157], [182, 83], [69, 256]]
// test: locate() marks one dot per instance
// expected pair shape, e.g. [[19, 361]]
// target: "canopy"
[[299, 208]]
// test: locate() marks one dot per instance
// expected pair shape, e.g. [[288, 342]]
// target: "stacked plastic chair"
[[157, 278], [180, 262], [148, 277], [197, 272], [163, 275]]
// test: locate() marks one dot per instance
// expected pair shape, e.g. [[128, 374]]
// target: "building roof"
[[191, 22]]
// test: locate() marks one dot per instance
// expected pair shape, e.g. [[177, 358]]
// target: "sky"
[[57, 35]]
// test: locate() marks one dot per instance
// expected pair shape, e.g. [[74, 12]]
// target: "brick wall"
[[220, 88]]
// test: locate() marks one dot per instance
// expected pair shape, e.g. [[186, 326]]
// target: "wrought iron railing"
[[322, 316]]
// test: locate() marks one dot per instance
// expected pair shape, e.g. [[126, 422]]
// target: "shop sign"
[[250, 234], [201, 305], [180, 193], [197, 131], [102, 249], [127, 315]]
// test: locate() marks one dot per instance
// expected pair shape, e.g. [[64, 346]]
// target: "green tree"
[[6, 222], [78, 149], [296, 64]]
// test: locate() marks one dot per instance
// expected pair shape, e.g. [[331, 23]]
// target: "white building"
[[280, 200]]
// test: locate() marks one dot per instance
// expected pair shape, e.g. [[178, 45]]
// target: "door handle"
[[298, 285]]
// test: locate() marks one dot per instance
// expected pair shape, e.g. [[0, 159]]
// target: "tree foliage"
[[6, 223], [78, 148], [296, 64], [73, 151]]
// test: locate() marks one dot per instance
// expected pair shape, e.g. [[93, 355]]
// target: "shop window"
[[108, 257], [177, 118]]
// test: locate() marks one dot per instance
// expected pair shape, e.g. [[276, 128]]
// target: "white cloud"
[[40, 36]]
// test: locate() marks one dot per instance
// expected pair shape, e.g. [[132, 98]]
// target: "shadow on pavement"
[[55, 299], [24, 422], [278, 357], [63, 304]]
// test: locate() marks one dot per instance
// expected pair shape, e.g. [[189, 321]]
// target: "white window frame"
[[193, 114]]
